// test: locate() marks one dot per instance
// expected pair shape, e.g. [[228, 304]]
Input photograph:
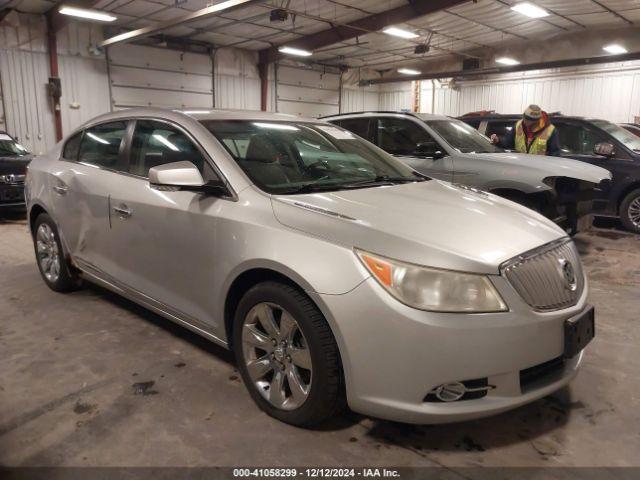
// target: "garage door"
[[151, 77], [307, 92]]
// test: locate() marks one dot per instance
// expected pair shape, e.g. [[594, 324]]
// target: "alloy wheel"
[[277, 356], [634, 212], [48, 252]]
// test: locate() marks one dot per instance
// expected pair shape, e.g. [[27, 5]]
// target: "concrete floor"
[[92, 379]]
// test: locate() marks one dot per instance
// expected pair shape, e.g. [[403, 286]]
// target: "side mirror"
[[430, 150], [184, 176], [605, 149]]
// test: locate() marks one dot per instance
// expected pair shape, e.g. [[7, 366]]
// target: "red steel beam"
[[375, 22], [53, 72]]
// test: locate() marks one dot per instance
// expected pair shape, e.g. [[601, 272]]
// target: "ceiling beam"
[[572, 62], [375, 22], [216, 9]]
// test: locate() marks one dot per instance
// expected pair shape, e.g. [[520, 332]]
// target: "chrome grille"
[[542, 276]]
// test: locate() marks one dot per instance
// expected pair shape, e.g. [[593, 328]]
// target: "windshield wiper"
[[383, 180]]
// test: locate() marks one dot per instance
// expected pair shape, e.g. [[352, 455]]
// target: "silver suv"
[[333, 271], [443, 147]]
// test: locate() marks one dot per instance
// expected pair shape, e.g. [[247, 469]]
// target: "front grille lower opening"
[[539, 373]]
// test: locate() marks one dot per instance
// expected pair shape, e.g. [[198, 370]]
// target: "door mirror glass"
[[429, 149], [605, 149], [176, 174]]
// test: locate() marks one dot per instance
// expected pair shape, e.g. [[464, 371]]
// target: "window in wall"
[[101, 146]]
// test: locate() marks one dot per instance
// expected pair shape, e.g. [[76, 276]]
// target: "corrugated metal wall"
[[237, 82], [24, 73], [306, 91], [611, 92], [360, 99]]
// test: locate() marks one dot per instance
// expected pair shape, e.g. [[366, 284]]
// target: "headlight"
[[434, 289]]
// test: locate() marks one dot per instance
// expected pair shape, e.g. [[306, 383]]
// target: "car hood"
[[15, 165], [428, 223], [547, 166]]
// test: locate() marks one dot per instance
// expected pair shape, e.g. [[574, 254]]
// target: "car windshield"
[[462, 137], [10, 148], [625, 137], [298, 157]]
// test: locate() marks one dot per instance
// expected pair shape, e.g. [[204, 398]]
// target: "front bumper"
[[394, 355], [12, 195]]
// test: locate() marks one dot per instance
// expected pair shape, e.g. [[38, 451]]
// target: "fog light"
[[450, 392]]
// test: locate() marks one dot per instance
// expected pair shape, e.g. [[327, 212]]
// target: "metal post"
[[53, 71]]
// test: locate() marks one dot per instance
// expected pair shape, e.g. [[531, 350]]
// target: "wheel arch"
[[626, 191], [34, 212]]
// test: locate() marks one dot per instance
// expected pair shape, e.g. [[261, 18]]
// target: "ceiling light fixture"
[[507, 61], [615, 49], [399, 32], [88, 14], [530, 10], [298, 52], [409, 71]]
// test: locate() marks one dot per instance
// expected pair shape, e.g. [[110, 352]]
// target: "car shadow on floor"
[[170, 327], [530, 423]]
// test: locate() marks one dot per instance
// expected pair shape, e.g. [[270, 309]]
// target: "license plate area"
[[578, 332]]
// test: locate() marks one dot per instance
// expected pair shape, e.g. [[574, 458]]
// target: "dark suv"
[[598, 142], [14, 159]]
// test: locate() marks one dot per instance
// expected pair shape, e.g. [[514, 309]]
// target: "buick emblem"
[[568, 274]]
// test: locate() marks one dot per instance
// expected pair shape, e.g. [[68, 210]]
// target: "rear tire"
[[291, 367], [630, 211], [50, 256]]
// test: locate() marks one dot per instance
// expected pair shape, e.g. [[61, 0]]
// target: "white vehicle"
[[446, 148], [332, 270]]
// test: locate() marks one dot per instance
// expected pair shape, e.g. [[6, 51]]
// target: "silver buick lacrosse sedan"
[[336, 274]]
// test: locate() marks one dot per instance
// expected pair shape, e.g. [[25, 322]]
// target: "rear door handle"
[[60, 189], [123, 211]]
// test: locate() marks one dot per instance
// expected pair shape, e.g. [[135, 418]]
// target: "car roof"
[[373, 113], [507, 116], [199, 114]]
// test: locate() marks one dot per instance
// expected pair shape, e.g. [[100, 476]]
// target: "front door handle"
[[60, 189], [123, 211]]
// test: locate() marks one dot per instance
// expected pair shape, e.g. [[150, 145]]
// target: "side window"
[[500, 127], [359, 126], [578, 139], [72, 147], [101, 146], [156, 143], [399, 136]]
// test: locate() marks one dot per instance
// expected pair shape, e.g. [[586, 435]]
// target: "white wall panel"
[[611, 92], [29, 116], [85, 90], [237, 82], [360, 99]]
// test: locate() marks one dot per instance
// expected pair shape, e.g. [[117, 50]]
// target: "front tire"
[[630, 211], [50, 256], [287, 355]]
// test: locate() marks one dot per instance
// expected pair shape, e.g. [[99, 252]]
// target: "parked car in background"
[[632, 127], [334, 271], [14, 159], [448, 149], [594, 141]]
